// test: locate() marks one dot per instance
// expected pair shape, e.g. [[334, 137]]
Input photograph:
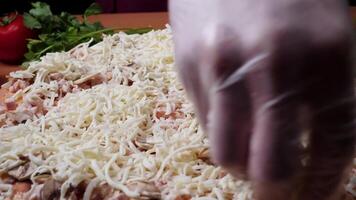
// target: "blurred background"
[[78, 6], [109, 6]]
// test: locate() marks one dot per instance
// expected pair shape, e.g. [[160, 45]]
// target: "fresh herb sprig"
[[7, 19], [64, 31], [60, 32]]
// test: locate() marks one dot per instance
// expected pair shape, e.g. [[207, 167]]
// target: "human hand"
[[262, 72]]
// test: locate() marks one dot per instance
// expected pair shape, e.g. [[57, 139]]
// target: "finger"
[[229, 117], [229, 128], [275, 147], [331, 149], [188, 70], [190, 76], [331, 99], [275, 152], [332, 143], [187, 23]]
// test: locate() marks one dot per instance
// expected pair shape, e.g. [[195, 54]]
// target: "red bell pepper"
[[13, 38]]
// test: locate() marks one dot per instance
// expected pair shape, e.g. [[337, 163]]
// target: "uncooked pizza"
[[108, 121]]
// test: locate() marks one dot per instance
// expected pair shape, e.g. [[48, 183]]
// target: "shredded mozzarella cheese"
[[136, 127]]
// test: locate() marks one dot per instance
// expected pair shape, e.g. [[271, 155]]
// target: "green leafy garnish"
[[8, 19], [137, 30], [31, 22], [62, 32], [41, 10], [59, 32], [93, 9]]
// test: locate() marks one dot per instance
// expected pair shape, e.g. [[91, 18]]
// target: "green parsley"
[[62, 32]]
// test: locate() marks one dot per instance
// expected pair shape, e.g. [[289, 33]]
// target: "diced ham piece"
[[160, 183], [162, 112], [90, 81], [21, 187], [37, 105], [108, 76], [23, 172], [146, 189], [10, 105], [101, 192], [13, 118], [56, 76], [51, 189], [183, 197], [18, 85]]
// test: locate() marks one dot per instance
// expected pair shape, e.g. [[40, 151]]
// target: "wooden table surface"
[[132, 20]]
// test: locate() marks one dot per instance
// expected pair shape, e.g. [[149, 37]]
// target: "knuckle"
[[237, 170], [337, 40], [293, 38], [185, 57], [186, 63], [234, 165], [219, 50]]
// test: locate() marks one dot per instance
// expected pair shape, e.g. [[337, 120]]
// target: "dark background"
[[109, 6], [78, 6]]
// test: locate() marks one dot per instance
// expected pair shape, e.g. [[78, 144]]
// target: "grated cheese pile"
[[136, 131]]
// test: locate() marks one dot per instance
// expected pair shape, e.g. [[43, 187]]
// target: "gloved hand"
[[261, 73]]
